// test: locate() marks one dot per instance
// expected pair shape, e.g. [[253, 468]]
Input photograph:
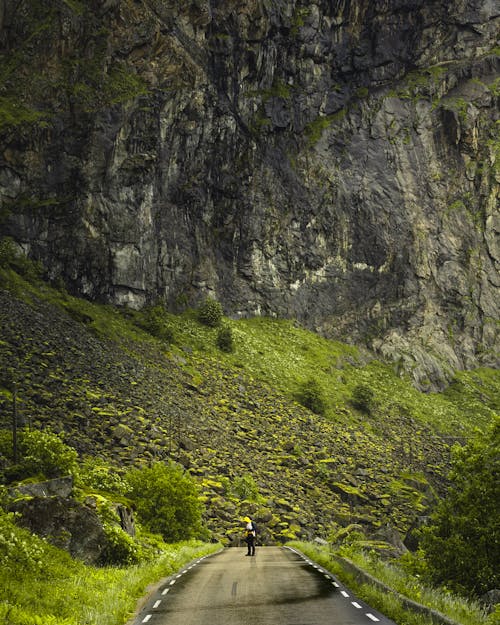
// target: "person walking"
[[250, 534]]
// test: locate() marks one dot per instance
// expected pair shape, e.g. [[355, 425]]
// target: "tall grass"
[[458, 608]]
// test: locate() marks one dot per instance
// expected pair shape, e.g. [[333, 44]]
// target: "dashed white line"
[[146, 618], [172, 582], [165, 591], [177, 576], [157, 603], [342, 592], [372, 618]]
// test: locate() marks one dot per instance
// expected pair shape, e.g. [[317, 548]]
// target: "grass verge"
[[458, 609], [43, 585]]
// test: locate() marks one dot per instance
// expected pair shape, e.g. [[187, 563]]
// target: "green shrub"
[[311, 396], [155, 321], [210, 312], [460, 545], [166, 500], [7, 252], [42, 453], [16, 548], [245, 488], [10, 256], [121, 548], [93, 474], [363, 398], [225, 339]]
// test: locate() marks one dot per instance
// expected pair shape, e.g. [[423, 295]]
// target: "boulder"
[[65, 523], [60, 487], [391, 536], [491, 599]]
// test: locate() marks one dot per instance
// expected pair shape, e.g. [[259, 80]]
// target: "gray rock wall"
[[335, 162]]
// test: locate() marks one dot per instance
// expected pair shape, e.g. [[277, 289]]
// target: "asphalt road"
[[276, 587]]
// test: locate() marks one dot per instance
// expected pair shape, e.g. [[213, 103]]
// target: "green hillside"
[[377, 453]]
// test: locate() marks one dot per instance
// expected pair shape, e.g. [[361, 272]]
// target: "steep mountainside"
[[331, 161], [114, 391]]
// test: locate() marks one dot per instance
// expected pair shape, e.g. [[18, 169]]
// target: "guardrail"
[[363, 576]]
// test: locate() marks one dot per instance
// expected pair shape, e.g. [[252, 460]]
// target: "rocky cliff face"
[[334, 161]]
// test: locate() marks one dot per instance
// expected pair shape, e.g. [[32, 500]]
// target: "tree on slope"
[[463, 544]]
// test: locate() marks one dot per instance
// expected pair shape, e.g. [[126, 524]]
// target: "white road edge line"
[[157, 603], [344, 593], [335, 584], [172, 582], [146, 618], [165, 591], [372, 618], [356, 605]]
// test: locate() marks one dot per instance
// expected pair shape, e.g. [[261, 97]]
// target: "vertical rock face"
[[333, 161]]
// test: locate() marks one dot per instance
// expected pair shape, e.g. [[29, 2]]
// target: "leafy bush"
[[166, 499], [155, 321], [11, 256], [245, 488], [16, 548], [225, 339], [42, 453], [121, 548], [7, 252], [210, 312], [460, 546], [363, 398], [46, 453], [311, 396], [92, 473]]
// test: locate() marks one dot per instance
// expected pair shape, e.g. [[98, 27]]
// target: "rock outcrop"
[[66, 523], [336, 162], [49, 509], [57, 487]]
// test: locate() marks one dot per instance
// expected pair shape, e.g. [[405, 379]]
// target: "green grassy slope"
[[91, 372]]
